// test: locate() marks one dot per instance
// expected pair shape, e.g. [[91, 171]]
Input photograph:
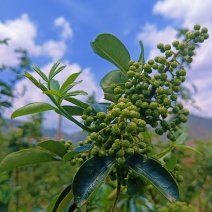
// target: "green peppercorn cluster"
[[77, 159], [145, 100]]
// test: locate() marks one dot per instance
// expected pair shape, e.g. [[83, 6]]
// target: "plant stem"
[[117, 195]]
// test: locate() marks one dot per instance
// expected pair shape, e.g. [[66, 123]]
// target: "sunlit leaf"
[[58, 70], [68, 87], [55, 147], [156, 174], [68, 82], [112, 49], [31, 108], [53, 69], [54, 85], [25, 157], [96, 169], [52, 92], [75, 93], [43, 76], [32, 79], [141, 58], [182, 138]]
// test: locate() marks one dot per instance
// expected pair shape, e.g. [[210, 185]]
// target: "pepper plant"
[[141, 96]]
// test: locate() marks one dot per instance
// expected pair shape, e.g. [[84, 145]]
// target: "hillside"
[[199, 127]]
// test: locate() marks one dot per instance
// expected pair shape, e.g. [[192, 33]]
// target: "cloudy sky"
[[63, 29]]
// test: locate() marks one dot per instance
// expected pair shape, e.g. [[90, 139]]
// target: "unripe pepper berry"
[[197, 27], [131, 127], [130, 151]]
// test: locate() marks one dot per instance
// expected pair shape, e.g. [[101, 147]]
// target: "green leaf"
[[147, 136], [52, 92], [112, 49], [32, 79], [63, 200], [68, 156], [54, 67], [96, 169], [113, 77], [58, 70], [31, 108], [187, 147], [172, 160], [141, 58], [182, 138], [43, 76], [156, 174], [76, 102], [73, 110], [69, 81], [55, 147], [74, 93], [54, 85], [99, 107], [69, 87], [25, 157]]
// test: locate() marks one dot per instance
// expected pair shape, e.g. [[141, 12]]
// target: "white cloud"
[[67, 31], [189, 11], [186, 14], [22, 33], [33, 94], [151, 36]]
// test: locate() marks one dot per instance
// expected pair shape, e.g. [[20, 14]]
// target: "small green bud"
[[131, 127], [177, 167], [160, 46], [159, 131], [167, 47], [180, 178], [125, 143], [101, 115], [151, 62], [121, 160], [176, 43], [197, 27], [130, 151], [204, 30]]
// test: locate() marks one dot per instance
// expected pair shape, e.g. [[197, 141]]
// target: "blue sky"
[[63, 29]]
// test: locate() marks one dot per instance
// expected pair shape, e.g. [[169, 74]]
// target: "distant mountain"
[[199, 127]]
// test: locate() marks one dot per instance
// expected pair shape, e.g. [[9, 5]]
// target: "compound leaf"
[[37, 69], [69, 81]]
